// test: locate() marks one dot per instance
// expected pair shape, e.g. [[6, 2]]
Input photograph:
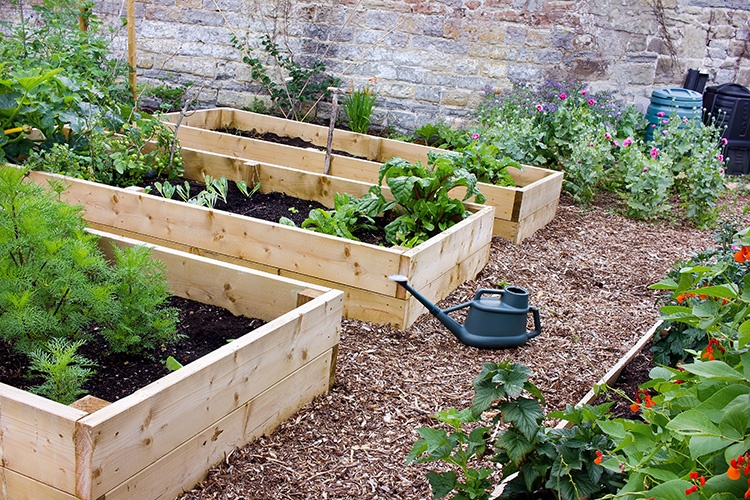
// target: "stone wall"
[[436, 59]]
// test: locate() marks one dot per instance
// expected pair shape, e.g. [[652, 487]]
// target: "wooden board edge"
[[179, 470], [15, 486], [613, 373]]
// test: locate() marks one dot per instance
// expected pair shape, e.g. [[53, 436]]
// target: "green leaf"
[[703, 445], [525, 414], [718, 370], [693, 422], [727, 291], [441, 483], [671, 490], [743, 333], [172, 364], [664, 284], [515, 444]]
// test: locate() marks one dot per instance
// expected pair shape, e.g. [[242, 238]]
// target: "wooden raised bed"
[[519, 211], [361, 270], [163, 438]]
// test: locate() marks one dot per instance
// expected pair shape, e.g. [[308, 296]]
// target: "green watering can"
[[496, 318]]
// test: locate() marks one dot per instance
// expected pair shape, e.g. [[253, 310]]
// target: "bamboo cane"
[[132, 61]]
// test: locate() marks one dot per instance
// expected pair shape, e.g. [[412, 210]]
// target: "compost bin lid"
[[731, 90], [677, 96]]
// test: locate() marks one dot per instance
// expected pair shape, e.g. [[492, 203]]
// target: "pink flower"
[[721, 158], [660, 114], [584, 92], [721, 171], [608, 135], [539, 107], [653, 125], [724, 141], [563, 96], [664, 132], [654, 152], [591, 102], [627, 142], [685, 120], [664, 122], [615, 143], [645, 169], [591, 143], [474, 137]]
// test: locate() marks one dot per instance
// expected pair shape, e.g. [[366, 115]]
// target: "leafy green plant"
[[64, 370], [648, 179], [358, 107], [216, 189], [348, 216], [304, 85], [562, 461], [57, 283], [423, 204]]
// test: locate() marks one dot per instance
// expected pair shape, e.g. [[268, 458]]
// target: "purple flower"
[[654, 152], [591, 102], [660, 114], [724, 141], [627, 142], [475, 137], [563, 96]]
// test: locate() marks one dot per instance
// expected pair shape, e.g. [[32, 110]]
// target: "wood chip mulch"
[[588, 271]]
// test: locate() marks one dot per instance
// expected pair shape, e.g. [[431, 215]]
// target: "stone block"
[[524, 73], [547, 56], [426, 93]]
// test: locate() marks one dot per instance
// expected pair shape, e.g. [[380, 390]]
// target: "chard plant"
[[423, 204]]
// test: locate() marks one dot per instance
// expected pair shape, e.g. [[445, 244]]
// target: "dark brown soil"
[[205, 329], [279, 139]]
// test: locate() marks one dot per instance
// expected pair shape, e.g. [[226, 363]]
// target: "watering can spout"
[[451, 324], [492, 322]]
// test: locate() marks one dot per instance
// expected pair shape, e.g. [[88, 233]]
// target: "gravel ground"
[[588, 271]]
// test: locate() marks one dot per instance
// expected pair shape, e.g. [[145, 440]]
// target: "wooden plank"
[[36, 435], [187, 464], [128, 435], [540, 194], [356, 264], [613, 373], [528, 226], [15, 486], [440, 253], [441, 286], [240, 290]]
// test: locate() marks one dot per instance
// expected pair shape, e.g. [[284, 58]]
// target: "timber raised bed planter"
[[519, 211], [164, 437], [361, 270]]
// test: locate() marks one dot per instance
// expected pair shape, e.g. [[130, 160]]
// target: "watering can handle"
[[537, 323], [483, 291]]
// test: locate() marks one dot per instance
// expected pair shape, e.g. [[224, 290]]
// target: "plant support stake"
[[334, 111], [131, 48]]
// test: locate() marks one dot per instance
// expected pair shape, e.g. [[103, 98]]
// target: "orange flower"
[[635, 407], [691, 490], [742, 255], [733, 473], [649, 402], [693, 475], [598, 458]]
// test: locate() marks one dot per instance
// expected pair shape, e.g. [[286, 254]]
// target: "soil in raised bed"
[[273, 206], [204, 328], [281, 139]]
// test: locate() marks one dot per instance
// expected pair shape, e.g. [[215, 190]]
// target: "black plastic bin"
[[729, 105], [738, 157]]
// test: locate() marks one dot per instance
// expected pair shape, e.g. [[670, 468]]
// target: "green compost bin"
[[665, 103]]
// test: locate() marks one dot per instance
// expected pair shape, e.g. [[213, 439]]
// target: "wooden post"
[[83, 19], [132, 61], [334, 111]]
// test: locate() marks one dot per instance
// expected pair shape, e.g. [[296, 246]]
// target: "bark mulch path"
[[588, 271]]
